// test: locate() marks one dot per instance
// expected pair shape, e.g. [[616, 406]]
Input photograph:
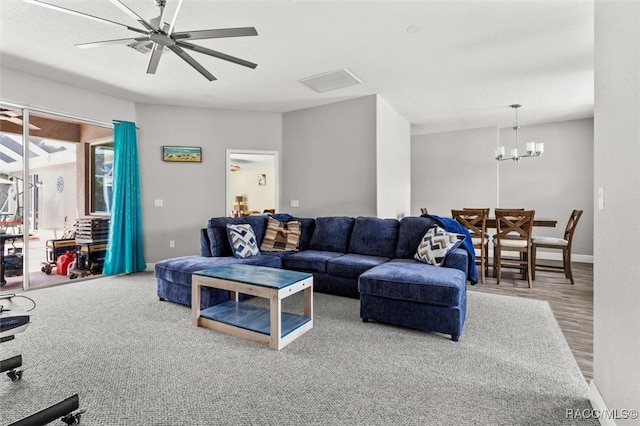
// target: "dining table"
[[544, 222]]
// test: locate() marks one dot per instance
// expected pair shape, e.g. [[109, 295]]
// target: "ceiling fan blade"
[[155, 58], [216, 54], [109, 42], [84, 15], [218, 33], [171, 24], [188, 59], [133, 14]]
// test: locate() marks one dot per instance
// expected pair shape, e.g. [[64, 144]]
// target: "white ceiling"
[[467, 63]]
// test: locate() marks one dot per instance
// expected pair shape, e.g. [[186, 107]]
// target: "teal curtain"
[[124, 251]]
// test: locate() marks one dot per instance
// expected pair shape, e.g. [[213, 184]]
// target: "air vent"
[[331, 80]]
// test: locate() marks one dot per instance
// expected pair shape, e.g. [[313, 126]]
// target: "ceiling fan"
[[159, 35], [14, 117]]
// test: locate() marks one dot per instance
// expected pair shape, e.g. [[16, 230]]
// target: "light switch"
[[295, 203], [601, 198], [158, 203]]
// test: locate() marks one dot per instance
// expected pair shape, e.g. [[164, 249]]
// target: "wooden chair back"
[[571, 225], [514, 224], [475, 220]]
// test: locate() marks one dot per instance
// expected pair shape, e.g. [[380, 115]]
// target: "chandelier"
[[534, 149]]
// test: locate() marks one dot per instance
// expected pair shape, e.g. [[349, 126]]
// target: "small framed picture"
[[262, 180], [182, 154]]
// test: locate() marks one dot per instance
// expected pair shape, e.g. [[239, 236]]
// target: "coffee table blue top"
[[256, 275]]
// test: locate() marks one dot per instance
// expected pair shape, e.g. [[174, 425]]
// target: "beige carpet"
[[134, 360]]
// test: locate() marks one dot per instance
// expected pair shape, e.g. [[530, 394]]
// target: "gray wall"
[[457, 169], [329, 159], [453, 170], [616, 304], [192, 193], [555, 183]]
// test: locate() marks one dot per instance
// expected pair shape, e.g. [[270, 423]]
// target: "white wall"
[[616, 328], [26, 89], [192, 193], [393, 159], [458, 169], [329, 159], [56, 206]]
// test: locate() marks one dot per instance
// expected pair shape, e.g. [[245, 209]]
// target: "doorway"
[[252, 182]]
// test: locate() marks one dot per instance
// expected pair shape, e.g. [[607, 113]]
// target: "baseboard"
[[598, 404]]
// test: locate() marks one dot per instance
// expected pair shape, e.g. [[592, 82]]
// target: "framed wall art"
[[182, 154]]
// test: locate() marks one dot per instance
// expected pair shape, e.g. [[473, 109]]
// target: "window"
[[101, 177]]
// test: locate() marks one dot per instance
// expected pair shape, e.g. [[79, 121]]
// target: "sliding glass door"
[[61, 174]]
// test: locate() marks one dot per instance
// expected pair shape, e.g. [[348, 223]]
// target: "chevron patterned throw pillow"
[[243, 240], [436, 244]]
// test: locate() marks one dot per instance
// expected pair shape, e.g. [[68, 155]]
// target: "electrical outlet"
[[172, 244], [295, 203], [158, 203]]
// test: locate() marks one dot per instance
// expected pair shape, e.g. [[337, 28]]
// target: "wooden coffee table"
[[265, 325]]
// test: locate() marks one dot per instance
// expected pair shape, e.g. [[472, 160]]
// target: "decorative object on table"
[[563, 244], [159, 36], [184, 154], [534, 149], [262, 179], [239, 207]]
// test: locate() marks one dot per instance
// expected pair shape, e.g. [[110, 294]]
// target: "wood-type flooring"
[[572, 305]]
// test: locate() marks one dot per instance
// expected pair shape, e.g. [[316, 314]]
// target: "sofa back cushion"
[[205, 243], [410, 233], [307, 226], [332, 233], [219, 239], [374, 236]]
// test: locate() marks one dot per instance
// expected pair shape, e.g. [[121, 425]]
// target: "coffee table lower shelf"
[[251, 318]]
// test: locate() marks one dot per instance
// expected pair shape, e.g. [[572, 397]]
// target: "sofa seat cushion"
[[179, 269], [352, 265], [309, 260], [408, 279]]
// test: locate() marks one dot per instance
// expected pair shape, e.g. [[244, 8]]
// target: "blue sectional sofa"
[[365, 257]]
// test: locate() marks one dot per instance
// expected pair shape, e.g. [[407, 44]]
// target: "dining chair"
[[513, 234], [563, 244], [475, 220]]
